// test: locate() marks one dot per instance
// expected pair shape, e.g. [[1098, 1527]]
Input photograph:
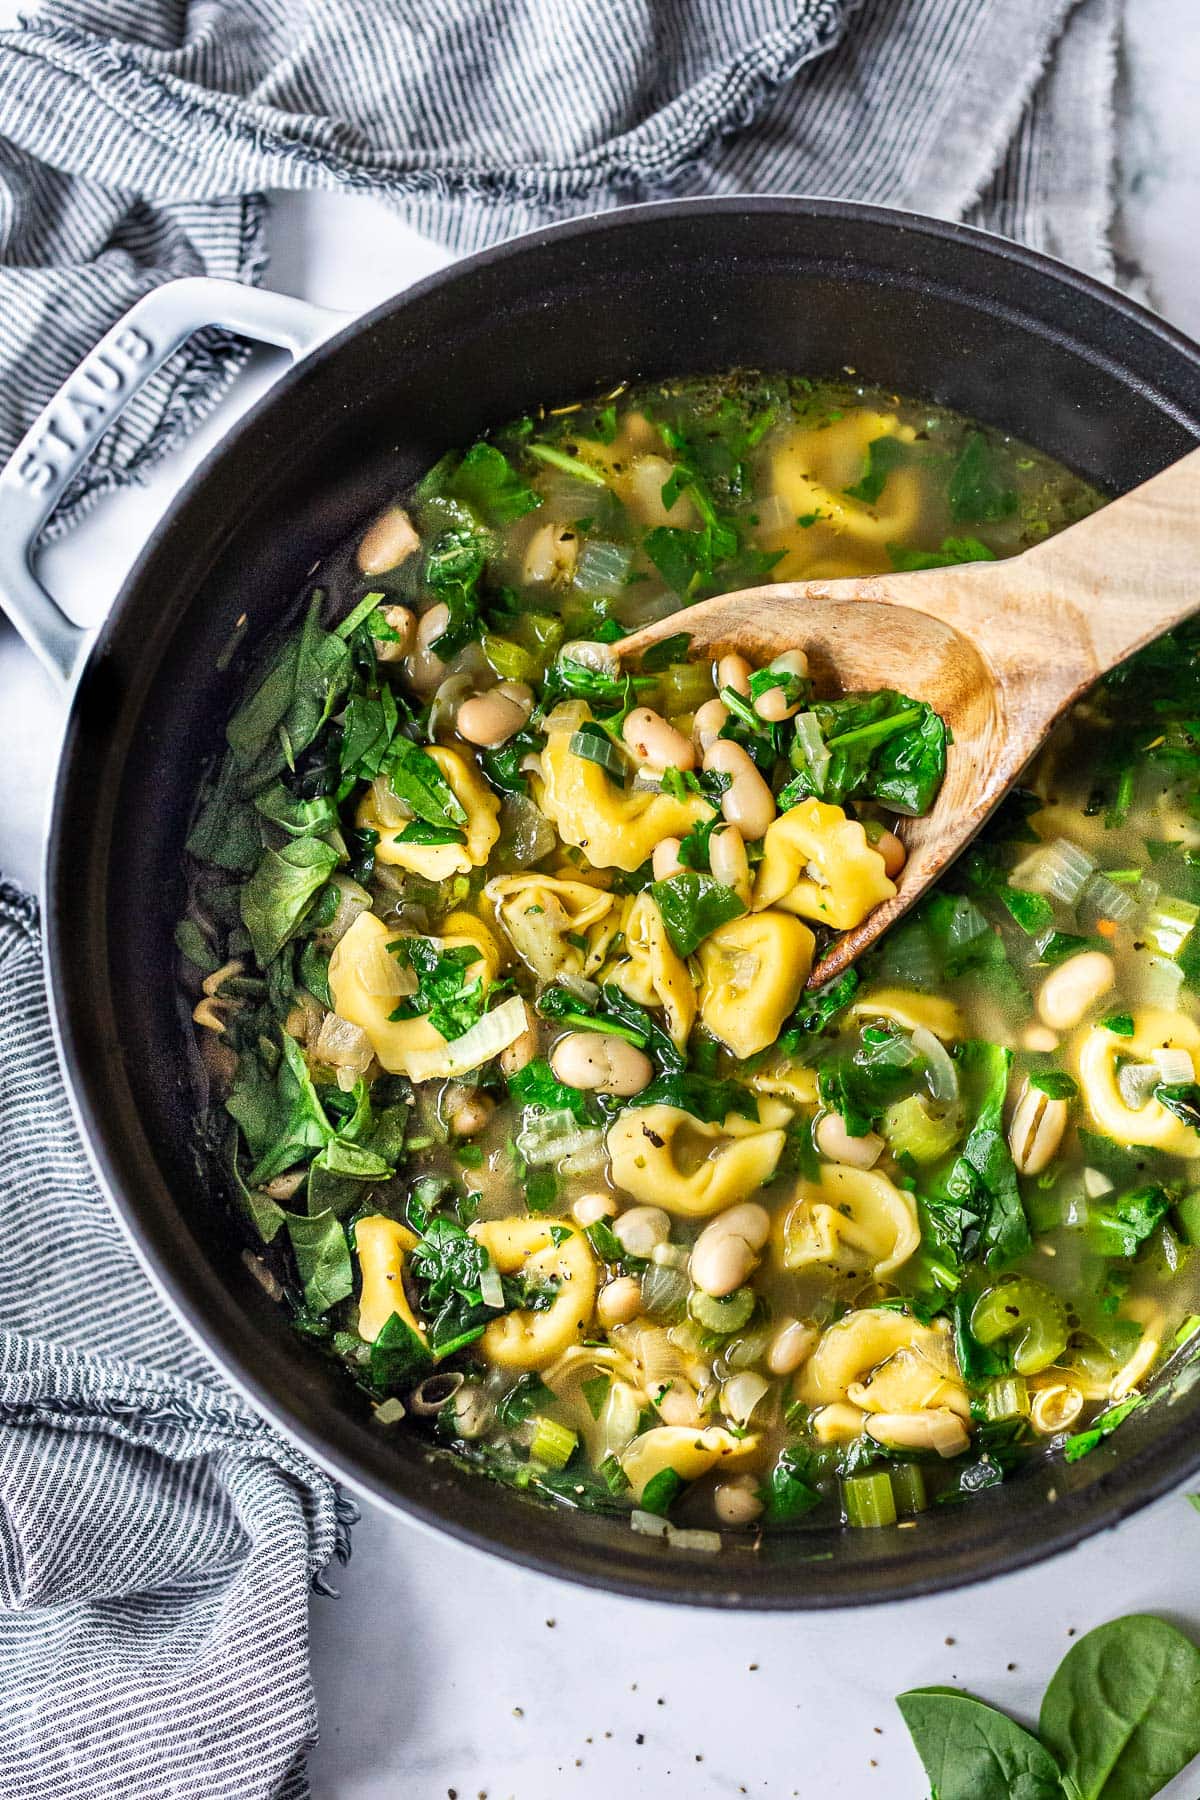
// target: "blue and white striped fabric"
[[157, 1541], [140, 135]]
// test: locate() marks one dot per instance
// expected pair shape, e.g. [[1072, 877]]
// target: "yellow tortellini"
[[853, 1364], [753, 972], [910, 1010], [665, 1157], [686, 1451], [541, 914], [1098, 1055], [383, 1246], [365, 984], [615, 828], [651, 972], [818, 863], [461, 930], [438, 862], [533, 1340], [849, 1222], [810, 472]]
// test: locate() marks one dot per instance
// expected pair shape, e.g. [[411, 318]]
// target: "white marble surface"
[[441, 1672]]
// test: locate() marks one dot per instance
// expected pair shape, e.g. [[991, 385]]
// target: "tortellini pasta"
[[818, 863], [383, 1247], [687, 1452], [883, 1361], [911, 1011], [546, 916], [1099, 1055], [849, 1222], [616, 828], [753, 972], [651, 972], [665, 1157], [543, 1251], [810, 472], [438, 862], [366, 984]]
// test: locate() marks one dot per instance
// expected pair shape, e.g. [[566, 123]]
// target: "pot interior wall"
[[814, 287]]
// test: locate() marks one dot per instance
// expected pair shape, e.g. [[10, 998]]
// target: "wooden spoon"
[[999, 649]]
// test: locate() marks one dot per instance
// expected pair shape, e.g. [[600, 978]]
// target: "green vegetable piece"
[[1082, 1443], [693, 905], [191, 942], [668, 650], [570, 465], [1119, 1223], [661, 1492], [322, 1259], [727, 1314], [788, 1492], [883, 455], [1120, 1024], [1187, 1215], [868, 1500], [552, 1443], [913, 1129], [951, 550], [972, 1752], [975, 492], [908, 1487], [420, 784], [1027, 1312], [398, 1355], [1054, 1084], [1122, 1711], [487, 481], [276, 895]]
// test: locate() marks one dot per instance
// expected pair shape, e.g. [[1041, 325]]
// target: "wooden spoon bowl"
[[999, 649]]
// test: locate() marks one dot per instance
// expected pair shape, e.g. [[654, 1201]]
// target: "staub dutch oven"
[[816, 286]]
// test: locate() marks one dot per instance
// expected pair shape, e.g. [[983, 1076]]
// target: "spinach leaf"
[[454, 565], [951, 550], [819, 1007], [976, 491], [279, 1113], [418, 782], [1182, 1099], [289, 706], [1082, 1443], [788, 1492], [191, 942], [322, 1259], [1119, 1223], [489, 484], [882, 746], [368, 727], [864, 1073], [448, 1264], [226, 829], [1122, 1711], [293, 814], [452, 1003], [704, 1096], [536, 1086], [984, 1173], [972, 1752], [693, 905], [398, 1355], [276, 895], [883, 455]]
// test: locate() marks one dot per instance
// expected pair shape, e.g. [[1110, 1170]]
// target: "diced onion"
[[602, 568], [344, 1046], [1170, 924], [664, 1290], [1159, 980], [741, 1394], [387, 806], [527, 833], [486, 1038], [1103, 899], [491, 1288], [443, 709], [966, 924], [650, 1525], [941, 1072], [1060, 869], [1096, 1184], [1175, 1067], [618, 1420], [580, 987], [1136, 1082], [586, 1160], [552, 1135]]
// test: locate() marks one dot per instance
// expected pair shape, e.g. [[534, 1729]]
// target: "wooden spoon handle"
[[1129, 572]]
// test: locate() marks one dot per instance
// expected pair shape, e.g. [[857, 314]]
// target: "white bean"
[[736, 1502], [491, 719], [726, 1252], [1072, 989], [680, 1405], [403, 622], [937, 1428], [1039, 1037], [473, 1411], [892, 851], [425, 669], [1036, 1131], [727, 860], [747, 802], [619, 1301], [466, 1110], [522, 1050], [387, 543], [601, 1062], [834, 1141], [551, 554], [792, 1344], [733, 671], [773, 705], [655, 743], [589, 1209], [709, 722], [665, 860], [640, 1230]]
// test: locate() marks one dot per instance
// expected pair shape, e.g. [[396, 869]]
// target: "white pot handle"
[[64, 435]]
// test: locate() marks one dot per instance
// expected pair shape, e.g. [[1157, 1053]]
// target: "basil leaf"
[[417, 781], [693, 905], [1122, 1711], [972, 1752], [276, 895], [322, 1259]]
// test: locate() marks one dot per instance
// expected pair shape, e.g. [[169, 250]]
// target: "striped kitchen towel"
[[139, 137], [157, 1540]]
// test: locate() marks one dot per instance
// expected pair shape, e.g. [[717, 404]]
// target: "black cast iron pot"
[[817, 286]]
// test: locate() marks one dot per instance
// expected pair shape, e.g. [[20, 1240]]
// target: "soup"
[[497, 951]]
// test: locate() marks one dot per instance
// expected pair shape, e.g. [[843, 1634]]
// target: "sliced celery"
[[552, 1443], [911, 1129], [1006, 1398], [729, 1313], [1027, 1312], [511, 662], [868, 1500], [908, 1487]]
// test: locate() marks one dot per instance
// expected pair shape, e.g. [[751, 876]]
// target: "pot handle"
[[66, 432]]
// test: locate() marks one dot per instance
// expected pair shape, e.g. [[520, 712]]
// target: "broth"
[[497, 956]]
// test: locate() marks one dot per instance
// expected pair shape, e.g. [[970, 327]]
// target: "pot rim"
[[1160, 1469]]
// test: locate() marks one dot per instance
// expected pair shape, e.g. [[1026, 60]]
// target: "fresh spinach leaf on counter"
[[972, 1752]]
